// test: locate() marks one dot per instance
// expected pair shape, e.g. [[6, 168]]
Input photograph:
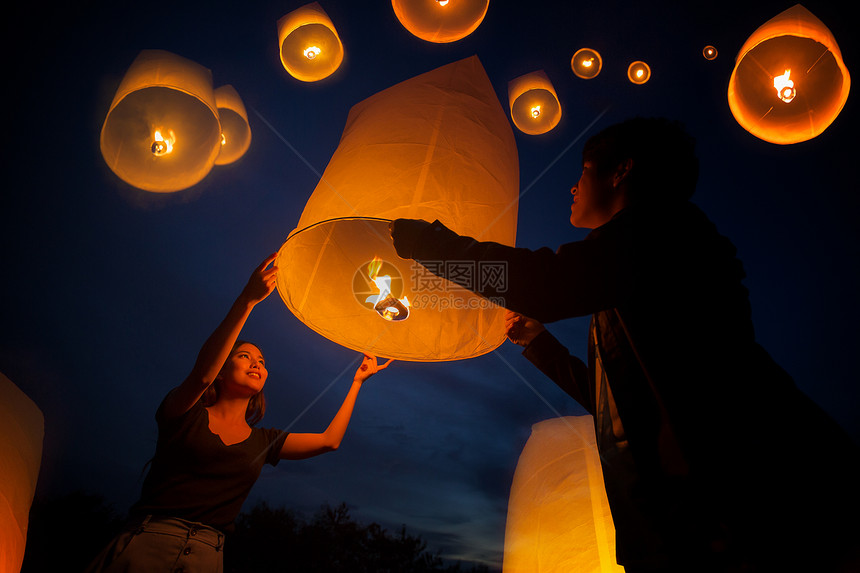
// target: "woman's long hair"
[[257, 403]]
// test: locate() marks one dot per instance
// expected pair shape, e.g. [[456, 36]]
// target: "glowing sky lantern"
[[638, 72], [310, 47], [709, 53], [789, 82], [586, 63], [558, 513], [535, 108], [22, 429], [437, 146], [162, 131], [440, 21], [235, 131]]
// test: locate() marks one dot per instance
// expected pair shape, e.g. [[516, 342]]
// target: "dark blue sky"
[[109, 291]]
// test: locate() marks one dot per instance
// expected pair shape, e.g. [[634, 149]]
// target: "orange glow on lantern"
[[791, 59], [785, 87], [535, 108], [160, 145], [586, 63], [436, 146], [235, 130], [558, 513], [442, 21], [384, 302], [162, 131], [310, 46], [22, 430], [709, 52], [638, 72]]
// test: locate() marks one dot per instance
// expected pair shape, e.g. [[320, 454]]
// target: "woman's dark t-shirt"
[[195, 477]]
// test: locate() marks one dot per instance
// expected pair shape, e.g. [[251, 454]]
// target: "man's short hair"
[[665, 166]]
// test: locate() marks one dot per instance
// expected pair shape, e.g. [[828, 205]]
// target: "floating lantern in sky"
[[558, 513], [235, 131], [638, 72], [437, 146], [22, 429], [440, 21], [709, 52], [310, 47], [789, 81], [586, 63], [162, 131], [535, 108]]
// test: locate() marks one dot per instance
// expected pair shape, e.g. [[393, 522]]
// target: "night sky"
[[109, 291]]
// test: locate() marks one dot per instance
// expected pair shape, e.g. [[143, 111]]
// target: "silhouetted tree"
[[268, 540]]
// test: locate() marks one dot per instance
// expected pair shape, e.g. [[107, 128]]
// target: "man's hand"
[[404, 234], [521, 329]]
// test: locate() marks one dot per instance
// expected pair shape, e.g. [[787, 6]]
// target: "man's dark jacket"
[[723, 445]]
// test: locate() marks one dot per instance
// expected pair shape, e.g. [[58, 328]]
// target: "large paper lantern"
[[789, 81], [235, 131], [558, 515], [310, 47], [535, 108], [22, 428], [440, 21], [437, 146], [162, 132]]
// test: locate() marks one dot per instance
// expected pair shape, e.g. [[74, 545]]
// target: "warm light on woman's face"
[[245, 368]]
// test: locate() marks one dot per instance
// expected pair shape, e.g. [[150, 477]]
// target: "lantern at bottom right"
[[558, 513], [789, 82]]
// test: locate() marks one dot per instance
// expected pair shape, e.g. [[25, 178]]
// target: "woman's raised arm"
[[217, 347], [301, 446]]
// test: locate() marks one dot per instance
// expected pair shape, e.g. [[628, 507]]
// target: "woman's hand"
[[521, 329], [369, 367], [262, 282]]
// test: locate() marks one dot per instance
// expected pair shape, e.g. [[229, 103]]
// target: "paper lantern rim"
[[387, 349], [298, 231], [167, 184], [437, 34]]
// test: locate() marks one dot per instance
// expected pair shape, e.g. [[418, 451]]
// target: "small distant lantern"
[[789, 83], [162, 132], [709, 53], [22, 430], [440, 21], [310, 47], [586, 63], [437, 146], [638, 72], [535, 108], [235, 130], [558, 514]]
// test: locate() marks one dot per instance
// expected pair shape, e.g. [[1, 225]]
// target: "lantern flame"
[[535, 111], [312, 52], [785, 87], [587, 62], [385, 303], [442, 2], [160, 145]]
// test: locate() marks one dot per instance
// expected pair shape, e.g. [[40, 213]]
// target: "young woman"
[[208, 453]]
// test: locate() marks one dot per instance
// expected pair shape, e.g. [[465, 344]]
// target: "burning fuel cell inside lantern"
[[384, 302]]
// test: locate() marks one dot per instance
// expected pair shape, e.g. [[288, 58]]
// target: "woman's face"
[[245, 369]]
